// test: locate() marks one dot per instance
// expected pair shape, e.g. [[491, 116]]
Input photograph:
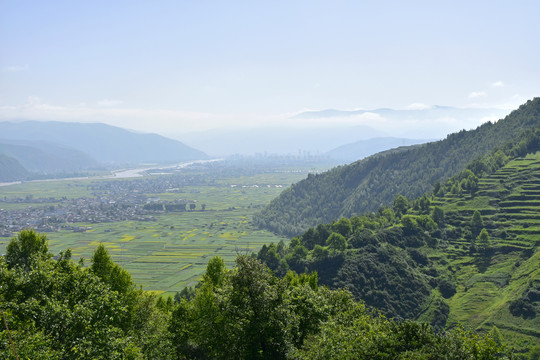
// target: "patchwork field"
[[170, 252]]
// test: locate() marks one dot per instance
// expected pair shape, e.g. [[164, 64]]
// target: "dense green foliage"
[[367, 184], [57, 309], [467, 252]]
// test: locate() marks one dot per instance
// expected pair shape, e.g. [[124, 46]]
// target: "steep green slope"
[[11, 169], [467, 253], [364, 148], [367, 184]]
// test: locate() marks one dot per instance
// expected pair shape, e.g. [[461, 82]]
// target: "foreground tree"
[[57, 309], [27, 249]]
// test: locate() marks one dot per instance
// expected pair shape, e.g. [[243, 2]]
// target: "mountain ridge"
[[364, 148], [373, 182], [11, 169], [42, 157], [105, 143]]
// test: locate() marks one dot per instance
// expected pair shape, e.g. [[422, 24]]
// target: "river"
[[122, 173]]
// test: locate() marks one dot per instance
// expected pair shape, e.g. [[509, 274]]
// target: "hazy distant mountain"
[[11, 169], [322, 139], [365, 148], [419, 114], [274, 140], [432, 122], [104, 143], [46, 158]]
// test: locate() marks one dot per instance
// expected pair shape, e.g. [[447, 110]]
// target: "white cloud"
[[15, 68], [173, 122], [498, 84], [477, 94], [109, 103], [162, 121], [418, 106]]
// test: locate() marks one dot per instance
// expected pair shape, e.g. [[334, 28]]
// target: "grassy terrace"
[[509, 202]]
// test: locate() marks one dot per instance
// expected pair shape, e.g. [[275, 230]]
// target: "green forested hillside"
[[370, 183], [467, 253], [54, 308]]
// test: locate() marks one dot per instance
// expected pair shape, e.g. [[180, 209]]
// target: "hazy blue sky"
[[173, 66]]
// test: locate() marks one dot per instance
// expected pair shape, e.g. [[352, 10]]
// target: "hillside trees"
[[477, 223], [252, 314], [401, 205], [482, 241], [336, 242], [356, 335], [438, 216]]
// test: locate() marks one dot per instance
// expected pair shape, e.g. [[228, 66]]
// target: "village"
[[108, 201]]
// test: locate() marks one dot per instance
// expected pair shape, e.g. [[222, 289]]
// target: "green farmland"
[[171, 251]]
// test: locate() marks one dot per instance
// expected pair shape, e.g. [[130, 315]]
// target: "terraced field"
[[509, 201]]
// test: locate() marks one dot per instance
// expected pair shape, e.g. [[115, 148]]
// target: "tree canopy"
[[57, 309]]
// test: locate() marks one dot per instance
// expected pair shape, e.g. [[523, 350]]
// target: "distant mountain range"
[[277, 140], [427, 113], [53, 147], [43, 157], [11, 169], [341, 127]]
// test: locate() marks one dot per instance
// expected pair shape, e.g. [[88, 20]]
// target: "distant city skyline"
[[174, 67]]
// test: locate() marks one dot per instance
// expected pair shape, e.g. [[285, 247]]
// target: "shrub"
[[447, 288]]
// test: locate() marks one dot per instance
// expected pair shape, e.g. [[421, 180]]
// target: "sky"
[[174, 67]]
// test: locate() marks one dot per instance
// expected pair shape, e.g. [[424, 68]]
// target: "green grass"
[[44, 189], [509, 200], [156, 253]]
